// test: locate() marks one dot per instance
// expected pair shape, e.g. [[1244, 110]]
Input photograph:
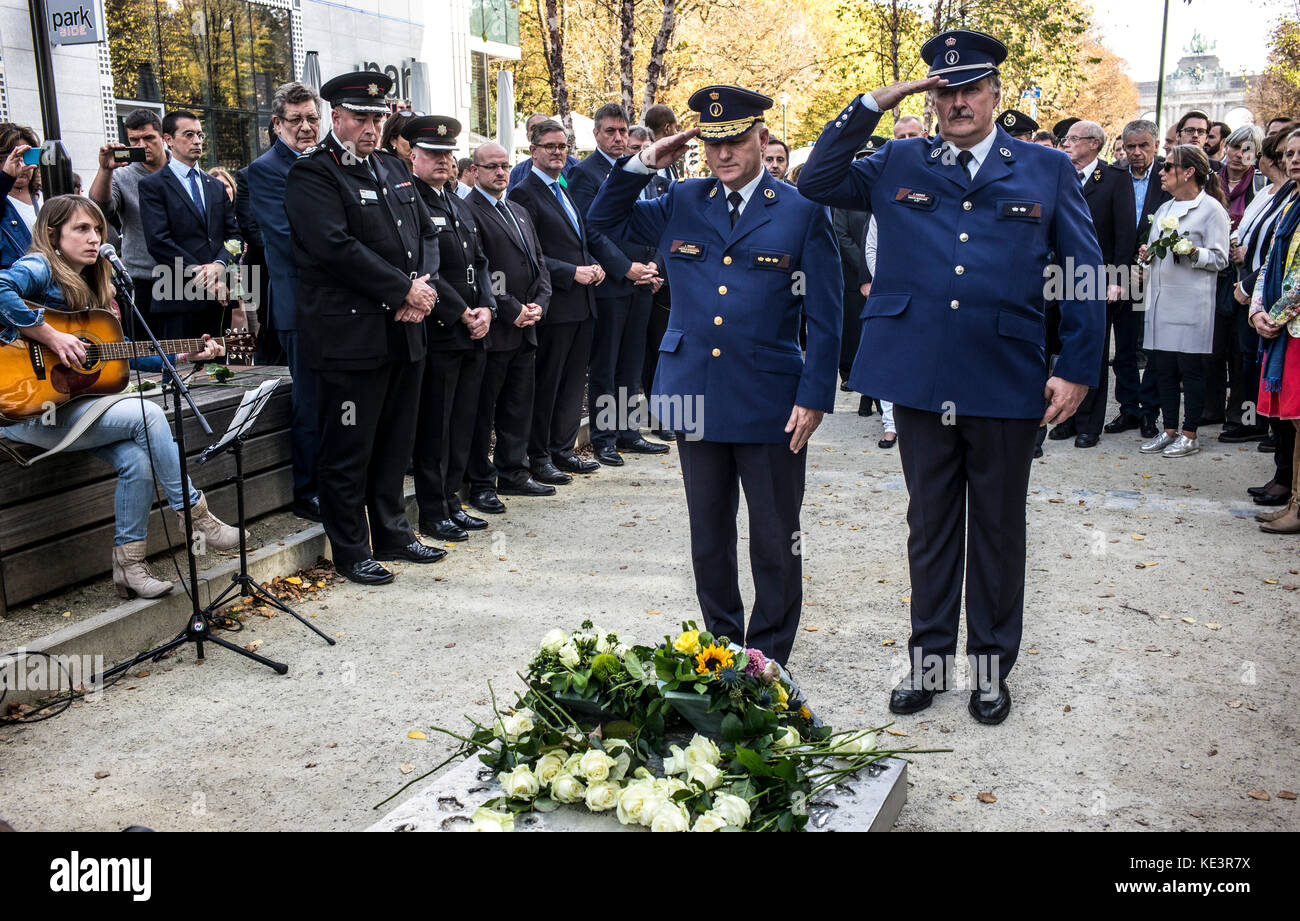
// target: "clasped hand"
[[419, 301]]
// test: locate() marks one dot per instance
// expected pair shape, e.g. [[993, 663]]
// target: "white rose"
[[710, 821], [603, 644], [602, 796], [667, 786], [549, 767], [571, 765], [708, 776], [567, 789], [670, 817], [732, 808], [595, 765], [520, 783], [631, 802], [676, 762], [621, 650], [1183, 247], [486, 819], [1169, 222], [554, 640], [702, 751], [853, 745], [787, 739], [653, 799], [569, 655]]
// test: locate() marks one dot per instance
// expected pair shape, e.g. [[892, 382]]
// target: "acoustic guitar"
[[32, 377]]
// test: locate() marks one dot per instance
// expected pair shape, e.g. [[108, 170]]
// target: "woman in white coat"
[[1180, 294]]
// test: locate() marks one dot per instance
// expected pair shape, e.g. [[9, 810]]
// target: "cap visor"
[[960, 76], [361, 107], [430, 145]]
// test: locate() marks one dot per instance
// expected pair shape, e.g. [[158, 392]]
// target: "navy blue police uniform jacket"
[[955, 319], [737, 296]]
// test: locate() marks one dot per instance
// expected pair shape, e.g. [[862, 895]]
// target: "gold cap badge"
[[713, 95], [373, 89], [442, 129], [1008, 119]]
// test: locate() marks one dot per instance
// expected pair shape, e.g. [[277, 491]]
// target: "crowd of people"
[[468, 344]]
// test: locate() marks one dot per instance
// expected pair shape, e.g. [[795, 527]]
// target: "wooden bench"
[[57, 517]]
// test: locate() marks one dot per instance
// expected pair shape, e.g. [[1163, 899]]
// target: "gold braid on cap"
[[719, 130]]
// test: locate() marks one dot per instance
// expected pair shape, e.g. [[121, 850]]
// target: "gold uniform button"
[[722, 289], [717, 352], [960, 270], [717, 321], [955, 304], [964, 237], [726, 260], [965, 206]]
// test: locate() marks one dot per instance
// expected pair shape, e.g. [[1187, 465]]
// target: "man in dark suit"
[[366, 251], [453, 371], [253, 262], [564, 335], [623, 302], [522, 288], [1110, 202], [295, 119], [521, 169], [1134, 389], [187, 220], [661, 121], [968, 223]]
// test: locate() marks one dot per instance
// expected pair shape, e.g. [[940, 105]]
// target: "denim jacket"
[[15, 238], [30, 279]]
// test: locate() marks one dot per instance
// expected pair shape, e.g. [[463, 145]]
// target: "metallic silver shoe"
[[1182, 447], [1158, 444]]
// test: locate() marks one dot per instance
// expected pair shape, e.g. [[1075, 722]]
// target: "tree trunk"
[[939, 21], [626, 38], [553, 23], [895, 39], [654, 71]]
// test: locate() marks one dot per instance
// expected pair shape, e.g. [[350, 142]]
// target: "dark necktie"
[[736, 200], [1079, 173], [197, 195], [964, 157]]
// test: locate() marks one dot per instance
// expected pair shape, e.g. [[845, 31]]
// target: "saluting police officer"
[[366, 254], [453, 373], [953, 331], [746, 255]]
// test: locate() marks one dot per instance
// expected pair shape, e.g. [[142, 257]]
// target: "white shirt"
[[1087, 171], [25, 211], [978, 153], [183, 174]]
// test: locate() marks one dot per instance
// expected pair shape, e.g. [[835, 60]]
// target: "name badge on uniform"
[[686, 248], [915, 198], [369, 195], [439, 220]]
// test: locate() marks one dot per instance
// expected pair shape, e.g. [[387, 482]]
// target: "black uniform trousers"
[[1135, 388], [367, 427], [614, 376], [563, 350], [1224, 394], [656, 325], [851, 333], [1090, 417], [773, 480], [212, 318], [967, 483], [303, 438], [449, 398], [506, 403]]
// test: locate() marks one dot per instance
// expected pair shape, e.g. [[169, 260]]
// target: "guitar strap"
[[85, 421]]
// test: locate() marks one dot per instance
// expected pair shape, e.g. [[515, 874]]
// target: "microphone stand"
[[197, 629]]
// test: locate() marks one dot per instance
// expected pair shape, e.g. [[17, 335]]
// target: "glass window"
[[495, 20]]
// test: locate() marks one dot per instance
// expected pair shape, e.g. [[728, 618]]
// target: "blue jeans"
[[136, 444]]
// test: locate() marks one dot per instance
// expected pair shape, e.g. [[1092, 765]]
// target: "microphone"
[[119, 270]]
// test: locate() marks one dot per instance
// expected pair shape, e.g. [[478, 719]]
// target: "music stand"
[[250, 407]]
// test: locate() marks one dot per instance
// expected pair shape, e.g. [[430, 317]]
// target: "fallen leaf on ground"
[[1211, 625], [100, 775], [1235, 704], [254, 646], [812, 629], [1189, 620], [406, 768], [1137, 537], [956, 797], [1258, 794], [987, 798], [1067, 708], [886, 642], [416, 734], [1285, 794], [896, 732]]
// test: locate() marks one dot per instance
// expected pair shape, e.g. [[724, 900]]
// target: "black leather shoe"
[[864, 406], [308, 508], [608, 456], [665, 435], [551, 475], [641, 446], [414, 552], [445, 529], [887, 442], [1038, 451], [1084, 440], [486, 501], [1260, 490], [1273, 499], [528, 487], [913, 694], [1061, 432], [1122, 423], [1268, 445], [1239, 434], [572, 464], [1149, 427], [990, 711], [844, 385], [468, 521], [367, 572]]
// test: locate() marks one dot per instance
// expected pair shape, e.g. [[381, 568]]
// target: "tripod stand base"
[[197, 631]]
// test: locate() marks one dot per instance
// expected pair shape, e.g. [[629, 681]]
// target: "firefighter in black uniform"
[[453, 372], [367, 262]]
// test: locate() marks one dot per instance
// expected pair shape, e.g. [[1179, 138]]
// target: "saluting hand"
[[889, 96], [803, 422], [666, 151]]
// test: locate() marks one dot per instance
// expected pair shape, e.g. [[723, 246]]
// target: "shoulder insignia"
[[769, 193], [713, 191], [1004, 151]]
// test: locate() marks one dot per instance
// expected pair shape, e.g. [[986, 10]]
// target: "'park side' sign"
[[74, 22]]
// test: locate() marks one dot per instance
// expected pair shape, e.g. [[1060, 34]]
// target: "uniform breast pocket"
[[367, 222], [1019, 209], [772, 259]]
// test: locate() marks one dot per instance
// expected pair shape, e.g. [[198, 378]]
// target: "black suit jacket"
[[851, 233], [174, 231], [519, 276], [570, 301], [460, 258], [357, 241], [1109, 195], [1155, 197], [585, 180]]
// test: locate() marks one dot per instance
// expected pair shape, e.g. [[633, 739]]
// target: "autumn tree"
[[1278, 91]]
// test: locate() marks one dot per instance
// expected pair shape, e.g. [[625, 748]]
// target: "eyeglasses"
[[1168, 166], [492, 167], [297, 120], [552, 148], [1075, 138], [1195, 132]]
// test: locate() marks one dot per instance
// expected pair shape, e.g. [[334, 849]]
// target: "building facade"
[[222, 59], [1199, 82]]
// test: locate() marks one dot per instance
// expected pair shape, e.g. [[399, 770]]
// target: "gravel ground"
[[1145, 697]]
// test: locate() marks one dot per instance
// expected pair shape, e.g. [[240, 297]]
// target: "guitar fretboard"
[[121, 351]]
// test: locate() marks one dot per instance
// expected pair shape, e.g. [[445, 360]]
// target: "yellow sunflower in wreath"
[[712, 658]]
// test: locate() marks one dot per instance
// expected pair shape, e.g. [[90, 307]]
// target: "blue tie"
[[555, 187], [197, 195]]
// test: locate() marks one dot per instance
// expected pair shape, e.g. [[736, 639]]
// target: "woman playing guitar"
[[63, 271]]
